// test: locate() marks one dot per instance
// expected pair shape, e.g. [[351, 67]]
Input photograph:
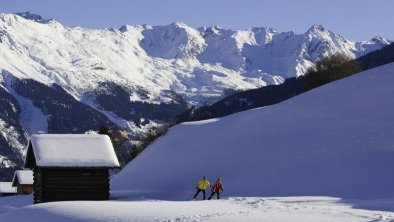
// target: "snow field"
[[303, 209]]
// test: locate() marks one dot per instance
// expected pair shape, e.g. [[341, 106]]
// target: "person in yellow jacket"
[[201, 186]]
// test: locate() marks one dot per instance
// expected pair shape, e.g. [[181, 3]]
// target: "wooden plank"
[[51, 199], [60, 198], [75, 190], [78, 196], [75, 194], [76, 187], [86, 183], [49, 172], [75, 176], [75, 180]]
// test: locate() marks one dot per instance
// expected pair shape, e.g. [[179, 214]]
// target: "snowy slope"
[[335, 140]]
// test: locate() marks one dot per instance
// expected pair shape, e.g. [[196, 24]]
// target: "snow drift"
[[336, 140]]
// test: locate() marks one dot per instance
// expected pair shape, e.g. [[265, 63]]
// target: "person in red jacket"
[[216, 189]]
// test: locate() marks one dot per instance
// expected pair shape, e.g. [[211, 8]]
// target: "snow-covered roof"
[[71, 150], [6, 187], [23, 176]]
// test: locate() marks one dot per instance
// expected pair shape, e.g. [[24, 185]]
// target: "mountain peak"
[[264, 29], [33, 17], [179, 25], [125, 28], [380, 39], [316, 28], [211, 30]]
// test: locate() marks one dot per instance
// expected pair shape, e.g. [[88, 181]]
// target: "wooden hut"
[[70, 166], [23, 181], [6, 189]]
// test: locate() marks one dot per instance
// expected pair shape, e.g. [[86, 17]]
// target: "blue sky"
[[354, 19]]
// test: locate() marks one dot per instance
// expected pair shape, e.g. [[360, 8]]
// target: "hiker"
[[201, 187], [216, 188]]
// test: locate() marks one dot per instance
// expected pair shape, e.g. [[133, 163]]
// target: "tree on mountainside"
[[104, 130], [147, 139], [329, 69], [127, 149]]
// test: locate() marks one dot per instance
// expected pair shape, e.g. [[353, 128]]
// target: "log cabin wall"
[[37, 184], [58, 184], [23, 189], [27, 189]]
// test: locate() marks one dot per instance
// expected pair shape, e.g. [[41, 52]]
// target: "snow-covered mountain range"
[[71, 79]]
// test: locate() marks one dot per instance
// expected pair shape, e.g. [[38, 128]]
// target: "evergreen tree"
[[104, 129]]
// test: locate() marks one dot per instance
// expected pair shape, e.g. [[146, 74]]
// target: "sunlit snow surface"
[[73, 150], [302, 209]]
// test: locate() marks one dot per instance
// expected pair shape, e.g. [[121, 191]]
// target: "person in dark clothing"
[[216, 189]]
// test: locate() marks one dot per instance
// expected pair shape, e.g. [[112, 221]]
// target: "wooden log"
[[76, 180]]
